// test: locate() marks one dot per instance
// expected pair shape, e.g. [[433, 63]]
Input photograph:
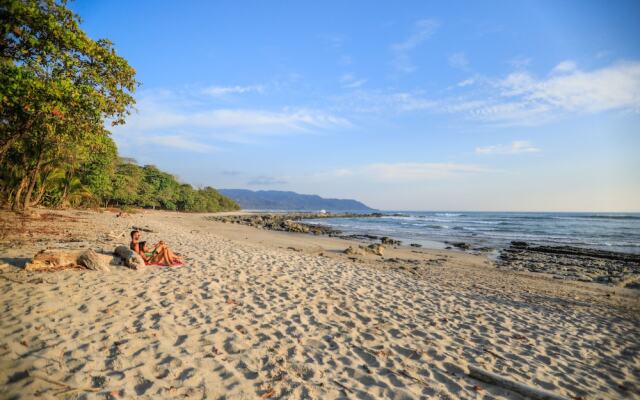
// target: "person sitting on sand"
[[158, 254]]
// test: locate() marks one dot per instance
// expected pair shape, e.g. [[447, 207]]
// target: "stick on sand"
[[520, 388]]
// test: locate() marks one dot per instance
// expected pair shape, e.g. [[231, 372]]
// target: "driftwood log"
[[59, 259], [131, 258], [517, 387], [95, 261]]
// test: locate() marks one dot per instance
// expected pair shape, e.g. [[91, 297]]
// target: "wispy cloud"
[[407, 171], [521, 98], [265, 180], [565, 67], [520, 62], [195, 118], [458, 60], [466, 82], [422, 30], [224, 90], [516, 147], [609, 88], [181, 143], [351, 82]]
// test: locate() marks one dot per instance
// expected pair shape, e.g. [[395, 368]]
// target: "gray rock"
[[94, 261], [131, 259], [355, 251]]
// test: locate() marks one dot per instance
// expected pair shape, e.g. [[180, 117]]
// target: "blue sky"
[[493, 105]]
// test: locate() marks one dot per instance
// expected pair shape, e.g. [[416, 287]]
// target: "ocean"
[[606, 231]]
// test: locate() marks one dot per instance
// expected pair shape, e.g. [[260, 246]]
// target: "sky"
[[425, 105]]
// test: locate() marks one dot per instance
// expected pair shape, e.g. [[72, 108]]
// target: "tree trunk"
[[42, 188], [32, 184], [16, 199], [65, 191], [39, 196]]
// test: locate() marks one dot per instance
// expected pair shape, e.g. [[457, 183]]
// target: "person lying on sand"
[[159, 254]]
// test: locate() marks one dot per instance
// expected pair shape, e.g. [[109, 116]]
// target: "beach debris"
[[389, 241], [131, 258], [415, 245], [142, 229], [94, 261], [54, 260], [342, 386], [493, 353], [461, 245], [49, 260], [375, 248], [517, 387], [64, 387], [268, 394], [356, 251], [116, 235]]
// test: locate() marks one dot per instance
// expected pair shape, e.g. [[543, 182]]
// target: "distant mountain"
[[280, 200]]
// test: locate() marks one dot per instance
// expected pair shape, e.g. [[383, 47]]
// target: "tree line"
[[58, 90]]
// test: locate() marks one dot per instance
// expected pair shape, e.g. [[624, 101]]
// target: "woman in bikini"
[[160, 254]]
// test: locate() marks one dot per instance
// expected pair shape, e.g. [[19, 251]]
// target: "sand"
[[256, 314]]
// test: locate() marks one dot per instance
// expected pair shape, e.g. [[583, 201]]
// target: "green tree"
[[58, 86]]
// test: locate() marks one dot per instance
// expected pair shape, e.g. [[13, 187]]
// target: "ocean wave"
[[448, 215], [598, 216]]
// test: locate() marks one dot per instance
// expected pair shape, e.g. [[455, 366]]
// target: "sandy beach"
[[257, 314]]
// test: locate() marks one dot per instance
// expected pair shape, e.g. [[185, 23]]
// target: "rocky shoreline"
[[288, 222], [573, 263], [560, 262]]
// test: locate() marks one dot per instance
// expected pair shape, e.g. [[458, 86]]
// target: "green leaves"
[[57, 89]]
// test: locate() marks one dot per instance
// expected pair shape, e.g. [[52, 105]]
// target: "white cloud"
[[180, 142], [516, 147], [422, 30], [458, 60], [258, 122], [565, 67], [466, 82], [406, 171], [376, 101], [164, 112], [518, 99], [520, 62], [351, 82], [265, 180], [224, 90], [609, 88], [521, 98], [191, 121]]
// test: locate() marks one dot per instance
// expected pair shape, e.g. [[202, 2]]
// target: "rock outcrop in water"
[[288, 222], [574, 263]]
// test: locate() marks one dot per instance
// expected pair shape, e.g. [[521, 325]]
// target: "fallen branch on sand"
[[51, 260], [343, 387], [517, 387], [64, 385], [58, 259]]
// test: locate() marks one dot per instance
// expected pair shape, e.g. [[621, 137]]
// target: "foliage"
[[149, 187], [57, 89]]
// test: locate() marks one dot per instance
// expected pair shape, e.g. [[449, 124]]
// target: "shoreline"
[[561, 262], [255, 311]]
